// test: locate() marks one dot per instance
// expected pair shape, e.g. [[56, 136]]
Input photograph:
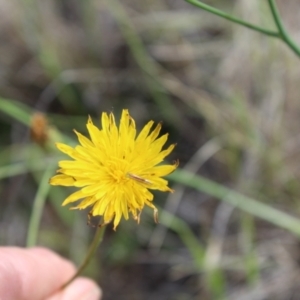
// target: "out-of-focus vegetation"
[[228, 96]]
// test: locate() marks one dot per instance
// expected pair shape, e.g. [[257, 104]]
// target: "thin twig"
[[231, 18], [283, 34]]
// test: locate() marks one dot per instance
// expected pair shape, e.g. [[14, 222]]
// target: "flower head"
[[116, 168]]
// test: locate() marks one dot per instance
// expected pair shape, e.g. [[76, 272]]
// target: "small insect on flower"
[[138, 178], [116, 168]]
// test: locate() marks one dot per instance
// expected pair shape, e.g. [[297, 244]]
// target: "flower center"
[[118, 176], [118, 170]]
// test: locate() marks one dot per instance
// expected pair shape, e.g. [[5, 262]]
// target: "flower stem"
[[231, 18], [92, 249], [283, 34]]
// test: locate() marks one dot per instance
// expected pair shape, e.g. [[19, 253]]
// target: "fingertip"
[[80, 289]]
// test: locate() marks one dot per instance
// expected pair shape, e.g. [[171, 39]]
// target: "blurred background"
[[228, 96]]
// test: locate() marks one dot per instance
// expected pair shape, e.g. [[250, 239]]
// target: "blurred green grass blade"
[[216, 283], [215, 277], [248, 244], [38, 206], [56, 198], [56, 195], [143, 60], [238, 200], [15, 169], [252, 268], [32, 159], [187, 236], [21, 168], [16, 110]]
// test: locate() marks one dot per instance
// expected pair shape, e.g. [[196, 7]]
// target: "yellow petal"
[[94, 132], [85, 203], [62, 180], [74, 197], [85, 142]]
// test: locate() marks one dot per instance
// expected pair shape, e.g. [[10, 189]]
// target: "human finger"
[[80, 289], [31, 274]]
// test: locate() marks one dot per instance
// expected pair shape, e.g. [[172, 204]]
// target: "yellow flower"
[[115, 169]]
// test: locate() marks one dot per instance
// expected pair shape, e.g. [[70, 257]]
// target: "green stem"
[[238, 200], [283, 34], [92, 249], [231, 18], [38, 206]]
